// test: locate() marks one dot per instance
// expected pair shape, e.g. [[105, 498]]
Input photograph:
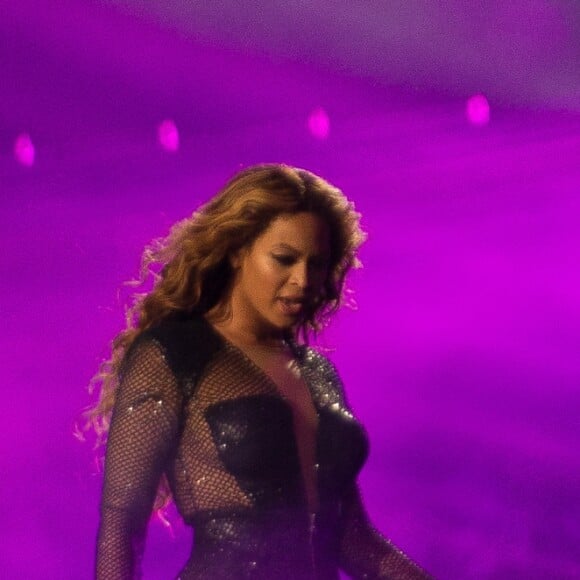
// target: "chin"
[[285, 324]]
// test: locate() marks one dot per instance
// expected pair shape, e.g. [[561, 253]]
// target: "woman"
[[214, 393]]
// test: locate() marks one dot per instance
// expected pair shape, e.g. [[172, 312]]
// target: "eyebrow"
[[284, 246]]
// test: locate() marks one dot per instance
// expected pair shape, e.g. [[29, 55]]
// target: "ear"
[[235, 259]]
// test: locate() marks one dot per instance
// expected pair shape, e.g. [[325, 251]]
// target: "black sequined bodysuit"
[[192, 406]]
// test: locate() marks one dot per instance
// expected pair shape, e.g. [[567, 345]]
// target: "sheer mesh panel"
[[203, 483], [232, 458], [143, 433], [364, 552]]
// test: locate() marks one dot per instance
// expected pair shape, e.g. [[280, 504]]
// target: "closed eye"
[[318, 264], [284, 259]]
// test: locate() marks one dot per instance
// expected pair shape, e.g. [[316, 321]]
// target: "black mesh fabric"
[[235, 451]]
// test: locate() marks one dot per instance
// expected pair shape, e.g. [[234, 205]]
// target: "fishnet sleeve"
[[364, 552], [143, 432]]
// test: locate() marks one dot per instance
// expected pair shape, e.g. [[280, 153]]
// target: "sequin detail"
[[226, 444]]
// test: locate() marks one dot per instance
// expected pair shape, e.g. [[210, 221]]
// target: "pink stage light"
[[319, 124], [168, 136], [24, 150], [477, 110]]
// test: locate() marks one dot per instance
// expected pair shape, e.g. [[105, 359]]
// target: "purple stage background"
[[462, 358]]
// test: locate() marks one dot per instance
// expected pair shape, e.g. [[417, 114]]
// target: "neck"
[[250, 336], [240, 330]]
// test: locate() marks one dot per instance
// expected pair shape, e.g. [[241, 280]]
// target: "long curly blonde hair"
[[190, 268]]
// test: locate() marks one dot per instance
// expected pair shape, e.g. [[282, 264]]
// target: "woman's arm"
[[143, 432], [364, 552]]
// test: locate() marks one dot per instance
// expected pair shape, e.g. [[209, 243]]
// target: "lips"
[[291, 306]]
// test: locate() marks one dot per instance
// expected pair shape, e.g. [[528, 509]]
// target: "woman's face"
[[281, 272]]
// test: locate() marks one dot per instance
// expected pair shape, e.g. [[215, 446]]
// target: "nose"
[[300, 275]]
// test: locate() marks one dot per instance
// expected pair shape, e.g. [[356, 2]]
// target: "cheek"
[[266, 274]]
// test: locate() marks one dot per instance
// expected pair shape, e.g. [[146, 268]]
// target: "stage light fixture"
[[168, 136], [24, 151], [477, 110], [319, 124]]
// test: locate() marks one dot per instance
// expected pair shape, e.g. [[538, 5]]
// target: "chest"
[[268, 423], [285, 375]]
